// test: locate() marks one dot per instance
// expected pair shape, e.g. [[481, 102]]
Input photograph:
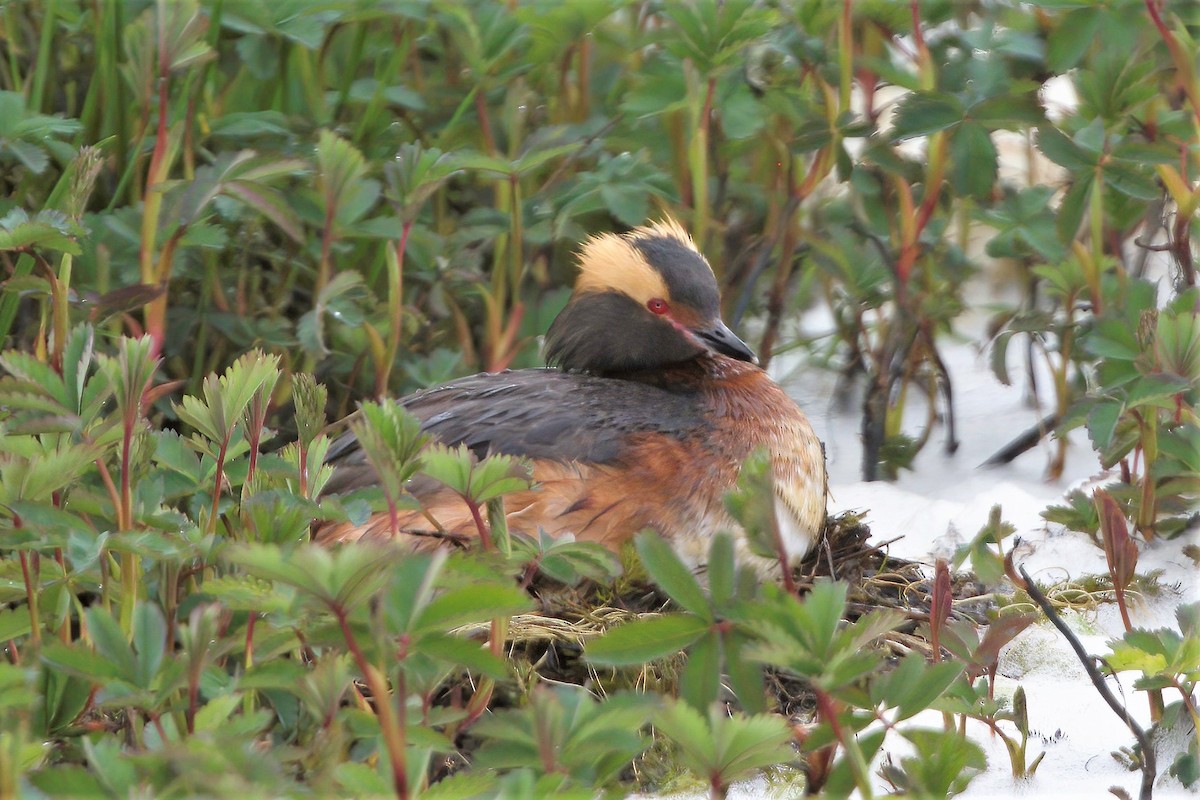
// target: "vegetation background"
[[328, 202]]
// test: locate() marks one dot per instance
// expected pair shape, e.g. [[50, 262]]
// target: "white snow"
[[945, 502]]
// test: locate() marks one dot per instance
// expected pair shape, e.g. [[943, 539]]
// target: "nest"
[[550, 642]]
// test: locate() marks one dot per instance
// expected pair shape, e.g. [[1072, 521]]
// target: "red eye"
[[657, 305]]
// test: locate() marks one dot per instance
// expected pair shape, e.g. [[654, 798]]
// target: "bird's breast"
[[759, 414]]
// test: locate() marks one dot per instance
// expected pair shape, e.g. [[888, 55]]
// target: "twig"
[[1149, 770], [1023, 443]]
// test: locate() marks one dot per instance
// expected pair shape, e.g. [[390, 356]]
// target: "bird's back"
[[611, 456], [605, 452]]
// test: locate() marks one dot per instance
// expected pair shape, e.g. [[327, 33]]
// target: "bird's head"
[[643, 300]]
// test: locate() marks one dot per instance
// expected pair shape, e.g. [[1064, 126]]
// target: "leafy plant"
[[222, 224], [565, 733], [714, 628], [721, 747], [1168, 660]]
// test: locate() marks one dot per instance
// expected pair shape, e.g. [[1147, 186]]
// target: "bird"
[[643, 418]]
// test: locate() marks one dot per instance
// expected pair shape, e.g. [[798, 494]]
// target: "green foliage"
[[987, 564], [714, 628], [565, 560], [722, 748], [809, 639], [1168, 660], [942, 764], [565, 732], [391, 439], [208, 209], [25, 134]]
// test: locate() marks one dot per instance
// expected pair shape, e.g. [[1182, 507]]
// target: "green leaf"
[[1055, 145], [944, 763], [150, 641], [721, 567], [67, 780], [415, 174], [913, 685], [1131, 179], [973, 157], [1071, 38], [1010, 111], [81, 661], [17, 688], [700, 683], [1155, 389], [723, 748], [464, 653], [1074, 205], [110, 642], [64, 697], [664, 566], [107, 761], [341, 180], [923, 113], [472, 604], [745, 675], [216, 711], [47, 229], [360, 780], [391, 439], [645, 640], [411, 588]]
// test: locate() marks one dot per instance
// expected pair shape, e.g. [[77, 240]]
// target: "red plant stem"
[[1178, 55], [918, 37], [160, 132], [162, 733], [193, 699], [393, 734], [484, 535], [125, 509], [220, 479], [255, 436], [393, 516], [324, 268], [785, 566], [828, 711], [397, 315], [503, 352], [485, 125], [706, 114], [302, 450], [845, 55], [530, 572], [64, 631], [156, 309], [35, 624], [1188, 702], [939, 611]]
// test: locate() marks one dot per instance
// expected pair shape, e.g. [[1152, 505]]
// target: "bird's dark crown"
[[643, 300]]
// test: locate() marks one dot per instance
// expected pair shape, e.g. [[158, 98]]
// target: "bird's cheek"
[[684, 331]]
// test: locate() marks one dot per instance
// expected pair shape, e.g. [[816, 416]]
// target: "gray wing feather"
[[539, 414]]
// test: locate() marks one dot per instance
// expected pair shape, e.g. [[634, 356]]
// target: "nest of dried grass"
[[551, 641]]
